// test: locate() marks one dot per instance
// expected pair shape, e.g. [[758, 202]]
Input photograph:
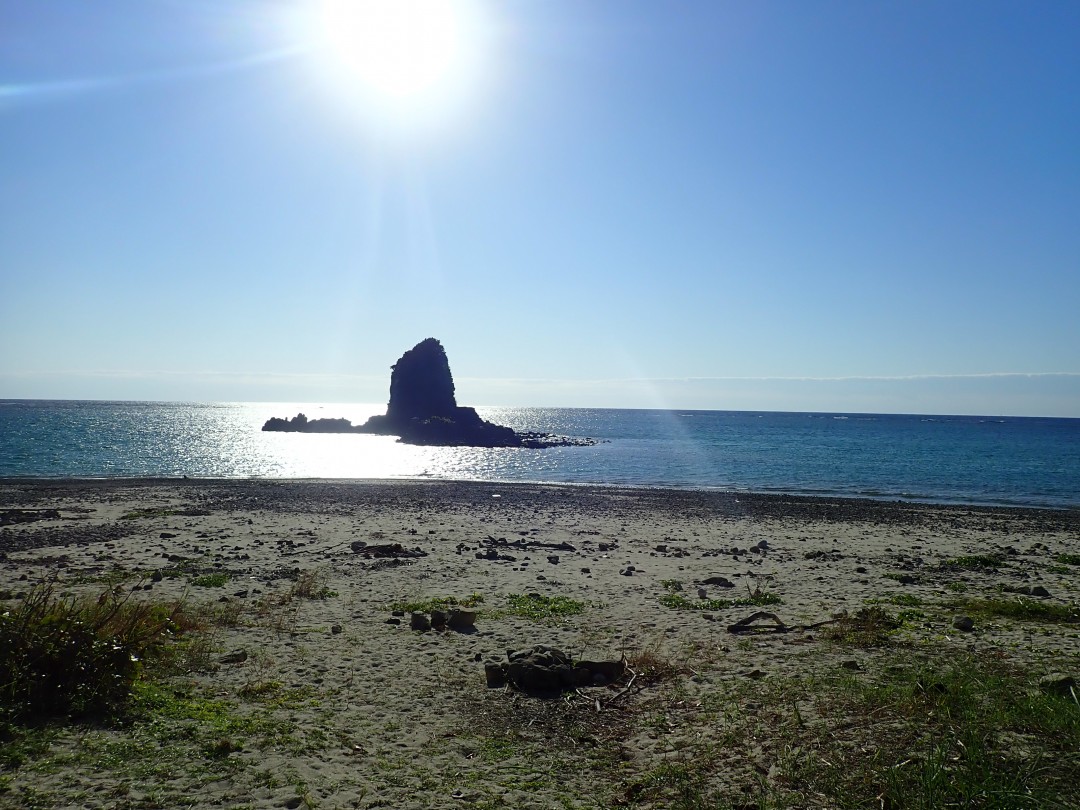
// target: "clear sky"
[[850, 206]]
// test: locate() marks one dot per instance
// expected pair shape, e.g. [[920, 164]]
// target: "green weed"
[[975, 562], [540, 608], [1022, 609], [215, 580], [65, 656]]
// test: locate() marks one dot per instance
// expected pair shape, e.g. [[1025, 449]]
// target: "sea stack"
[[423, 410]]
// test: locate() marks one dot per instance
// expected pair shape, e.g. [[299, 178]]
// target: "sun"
[[401, 56]]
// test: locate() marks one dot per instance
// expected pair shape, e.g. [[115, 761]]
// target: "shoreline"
[[786, 496], [330, 695]]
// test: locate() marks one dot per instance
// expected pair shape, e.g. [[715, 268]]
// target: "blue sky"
[[843, 206]]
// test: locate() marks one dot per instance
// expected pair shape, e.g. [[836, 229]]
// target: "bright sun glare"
[[405, 56]]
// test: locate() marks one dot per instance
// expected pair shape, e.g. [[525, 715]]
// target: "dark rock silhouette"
[[424, 410], [301, 424]]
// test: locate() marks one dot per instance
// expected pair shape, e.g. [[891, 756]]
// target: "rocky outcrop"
[[423, 410], [301, 424], [545, 670]]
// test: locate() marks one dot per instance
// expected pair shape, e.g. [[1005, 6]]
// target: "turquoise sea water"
[[952, 459]]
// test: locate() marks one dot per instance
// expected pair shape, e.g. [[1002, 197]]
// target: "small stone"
[[419, 622], [553, 559], [719, 582], [586, 570], [1039, 590], [965, 624], [851, 664], [393, 621], [235, 657], [462, 619], [1058, 684], [335, 629]]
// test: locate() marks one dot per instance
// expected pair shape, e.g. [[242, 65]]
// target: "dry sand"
[[362, 711]]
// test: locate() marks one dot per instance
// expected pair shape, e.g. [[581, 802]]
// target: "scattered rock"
[[461, 620], [547, 670], [387, 550], [964, 624], [235, 657], [335, 629], [719, 582], [1058, 684], [420, 622], [423, 410]]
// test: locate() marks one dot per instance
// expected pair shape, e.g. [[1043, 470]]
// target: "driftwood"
[[747, 627]]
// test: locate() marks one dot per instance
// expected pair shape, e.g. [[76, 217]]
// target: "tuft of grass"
[[652, 667], [1022, 609], [868, 627], [680, 785], [963, 731], [216, 580], [538, 607], [78, 657], [1068, 559], [975, 562], [311, 585], [956, 734]]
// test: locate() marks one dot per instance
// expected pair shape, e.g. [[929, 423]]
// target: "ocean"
[[1009, 461]]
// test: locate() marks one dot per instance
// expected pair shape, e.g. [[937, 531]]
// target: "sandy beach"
[[346, 705]]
